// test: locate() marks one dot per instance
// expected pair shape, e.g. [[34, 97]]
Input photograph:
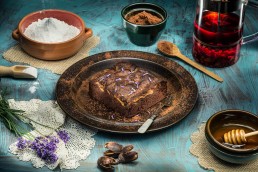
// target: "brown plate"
[[72, 91]]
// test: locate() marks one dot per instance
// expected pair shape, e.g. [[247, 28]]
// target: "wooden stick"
[[199, 67]]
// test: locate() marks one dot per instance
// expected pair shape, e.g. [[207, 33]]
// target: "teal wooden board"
[[165, 150]]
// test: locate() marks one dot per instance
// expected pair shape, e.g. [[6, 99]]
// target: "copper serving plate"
[[73, 85]]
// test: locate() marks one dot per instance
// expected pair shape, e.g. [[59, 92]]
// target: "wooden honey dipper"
[[237, 137]]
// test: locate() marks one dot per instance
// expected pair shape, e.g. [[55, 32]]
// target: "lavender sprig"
[[45, 147], [63, 135], [22, 143]]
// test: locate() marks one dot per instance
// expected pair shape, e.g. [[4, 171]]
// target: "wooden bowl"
[[225, 121], [52, 51]]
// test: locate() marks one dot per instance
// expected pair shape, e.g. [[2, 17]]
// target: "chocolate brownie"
[[127, 89]]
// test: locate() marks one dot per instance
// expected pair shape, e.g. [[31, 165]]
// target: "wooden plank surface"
[[166, 150]]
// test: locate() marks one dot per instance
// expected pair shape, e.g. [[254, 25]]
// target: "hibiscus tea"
[[217, 39]]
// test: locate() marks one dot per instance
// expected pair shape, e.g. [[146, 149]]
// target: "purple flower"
[[63, 135], [45, 147], [50, 157], [54, 139], [22, 143], [47, 156], [41, 153], [51, 146]]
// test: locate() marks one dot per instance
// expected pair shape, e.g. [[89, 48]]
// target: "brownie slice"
[[127, 89]]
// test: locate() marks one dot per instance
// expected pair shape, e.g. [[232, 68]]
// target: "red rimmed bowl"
[[52, 51]]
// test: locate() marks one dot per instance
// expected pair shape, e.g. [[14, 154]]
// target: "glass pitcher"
[[218, 32]]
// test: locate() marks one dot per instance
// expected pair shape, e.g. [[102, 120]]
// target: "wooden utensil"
[[237, 137], [19, 71], [171, 49]]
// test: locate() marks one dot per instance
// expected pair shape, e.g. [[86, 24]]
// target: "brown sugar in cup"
[[144, 18], [144, 22], [52, 51]]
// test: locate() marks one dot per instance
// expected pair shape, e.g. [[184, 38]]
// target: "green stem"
[[12, 117], [20, 115]]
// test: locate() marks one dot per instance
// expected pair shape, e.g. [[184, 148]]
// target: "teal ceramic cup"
[[144, 35]]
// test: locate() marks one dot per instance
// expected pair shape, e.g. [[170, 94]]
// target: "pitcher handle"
[[250, 38], [253, 37], [253, 4]]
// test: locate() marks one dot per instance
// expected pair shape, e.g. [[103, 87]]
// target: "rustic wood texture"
[[165, 150]]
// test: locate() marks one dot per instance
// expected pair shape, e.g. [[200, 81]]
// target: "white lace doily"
[[53, 118]]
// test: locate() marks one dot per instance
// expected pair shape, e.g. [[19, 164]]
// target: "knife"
[[155, 110]]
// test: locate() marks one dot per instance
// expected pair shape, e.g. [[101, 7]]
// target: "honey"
[[252, 141]]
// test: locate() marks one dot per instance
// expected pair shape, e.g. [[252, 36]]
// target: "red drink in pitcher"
[[217, 38]]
